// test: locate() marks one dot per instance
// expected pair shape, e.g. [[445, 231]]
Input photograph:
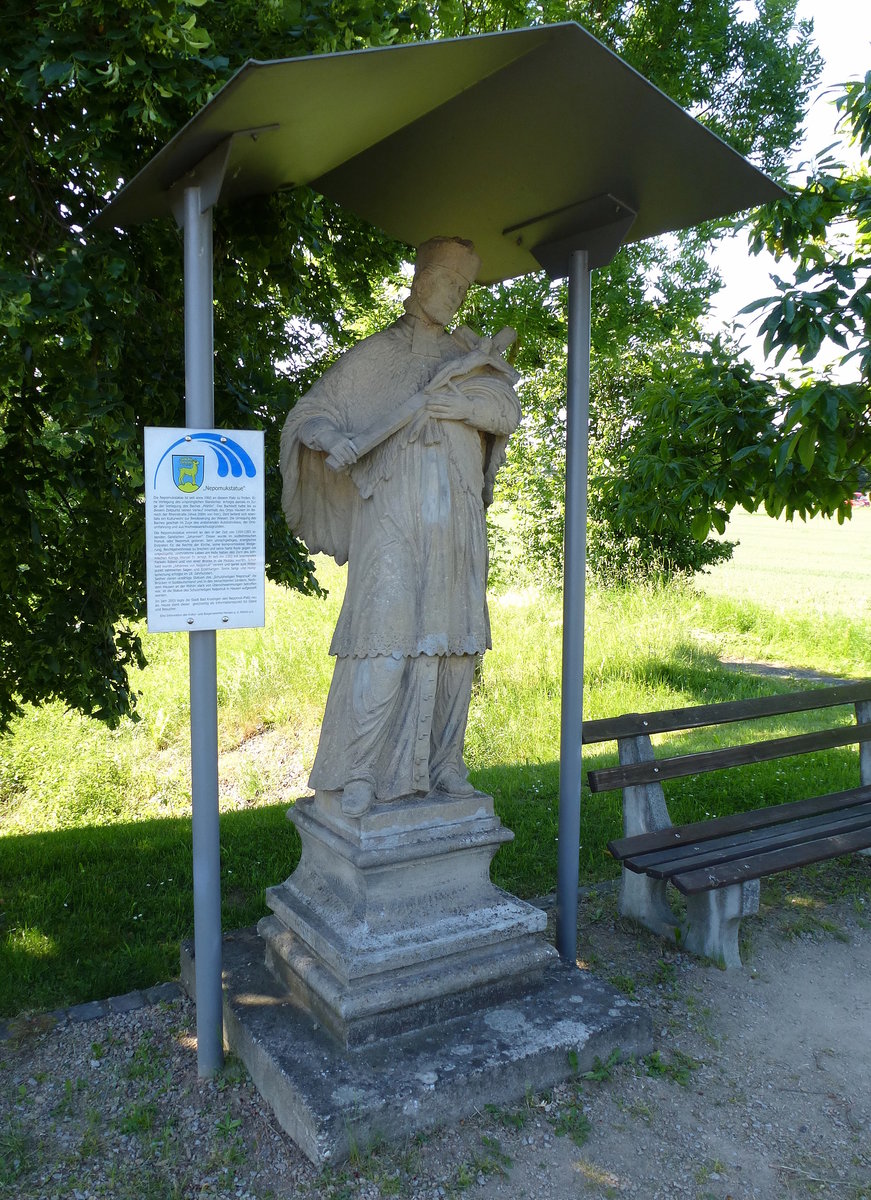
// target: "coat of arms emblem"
[[187, 471]]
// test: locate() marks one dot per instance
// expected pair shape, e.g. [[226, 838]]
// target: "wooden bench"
[[717, 863]]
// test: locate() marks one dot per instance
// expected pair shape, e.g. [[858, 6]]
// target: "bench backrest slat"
[[731, 756], [609, 729]]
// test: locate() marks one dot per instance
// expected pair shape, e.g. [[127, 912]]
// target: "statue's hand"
[[342, 453], [450, 405]]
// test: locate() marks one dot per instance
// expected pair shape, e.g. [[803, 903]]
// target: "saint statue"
[[388, 464]]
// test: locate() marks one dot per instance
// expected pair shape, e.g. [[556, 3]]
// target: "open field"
[[95, 874], [817, 564]]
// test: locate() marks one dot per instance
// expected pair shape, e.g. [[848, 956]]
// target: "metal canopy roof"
[[511, 139]]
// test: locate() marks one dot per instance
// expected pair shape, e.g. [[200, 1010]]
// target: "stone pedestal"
[[399, 988], [390, 922]]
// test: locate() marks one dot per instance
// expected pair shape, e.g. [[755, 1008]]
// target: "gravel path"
[[760, 1087]]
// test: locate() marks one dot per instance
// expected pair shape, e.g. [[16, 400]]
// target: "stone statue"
[[388, 464]]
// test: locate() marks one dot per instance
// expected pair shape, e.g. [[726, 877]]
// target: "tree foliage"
[[714, 433], [749, 81], [89, 90], [94, 321], [825, 229]]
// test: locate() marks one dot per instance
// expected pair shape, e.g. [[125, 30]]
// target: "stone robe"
[[408, 517]]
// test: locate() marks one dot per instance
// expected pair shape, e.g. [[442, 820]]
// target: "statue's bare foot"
[[357, 797], [454, 782]]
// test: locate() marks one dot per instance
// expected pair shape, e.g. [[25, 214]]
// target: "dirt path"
[[781, 671], [760, 1087], [761, 1083]]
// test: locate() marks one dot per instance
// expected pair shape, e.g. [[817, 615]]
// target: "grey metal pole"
[[574, 581], [200, 414]]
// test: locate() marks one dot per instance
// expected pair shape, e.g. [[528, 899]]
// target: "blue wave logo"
[[233, 459]]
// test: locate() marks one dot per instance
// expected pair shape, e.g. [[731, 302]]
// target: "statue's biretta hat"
[[453, 254]]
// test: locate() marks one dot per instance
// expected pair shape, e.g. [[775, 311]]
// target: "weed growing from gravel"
[[494, 1160], [146, 1061], [803, 922], [601, 1072], [232, 1073], [709, 1170], [227, 1126], [508, 1118], [18, 1153], [639, 1109], [677, 1068], [623, 983], [92, 1141], [490, 1160], [66, 1106], [139, 1118], [571, 1121], [565, 1110], [387, 1168], [665, 974]]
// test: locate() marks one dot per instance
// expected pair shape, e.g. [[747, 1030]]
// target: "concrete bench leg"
[[644, 811], [712, 920], [644, 900]]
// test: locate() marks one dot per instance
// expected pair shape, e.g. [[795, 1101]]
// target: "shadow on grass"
[[701, 678], [98, 911]]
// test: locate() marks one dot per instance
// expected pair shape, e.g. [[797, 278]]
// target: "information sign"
[[204, 531]]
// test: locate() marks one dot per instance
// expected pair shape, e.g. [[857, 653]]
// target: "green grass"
[[815, 565], [100, 910], [95, 874]]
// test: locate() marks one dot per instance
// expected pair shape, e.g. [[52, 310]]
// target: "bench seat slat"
[[770, 862], [658, 770], [775, 837], [757, 818], [609, 729]]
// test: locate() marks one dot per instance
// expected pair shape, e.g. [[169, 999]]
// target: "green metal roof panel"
[[319, 110], [503, 138]]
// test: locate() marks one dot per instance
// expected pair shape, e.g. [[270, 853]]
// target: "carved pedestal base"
[[390, 923]]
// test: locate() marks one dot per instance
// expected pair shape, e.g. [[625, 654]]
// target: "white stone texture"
[[334, 1101], [644, 811], [713, 918], [391, 922], [388, 463]]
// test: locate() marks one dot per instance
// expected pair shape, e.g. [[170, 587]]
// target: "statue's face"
[[439, 292]]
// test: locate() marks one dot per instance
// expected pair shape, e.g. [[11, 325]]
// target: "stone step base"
[[333, 1101]]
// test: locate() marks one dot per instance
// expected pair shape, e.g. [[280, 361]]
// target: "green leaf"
[[56, 72], [807, 449], [701, 526]]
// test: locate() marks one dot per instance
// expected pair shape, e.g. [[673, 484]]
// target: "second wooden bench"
[[717, 863]]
